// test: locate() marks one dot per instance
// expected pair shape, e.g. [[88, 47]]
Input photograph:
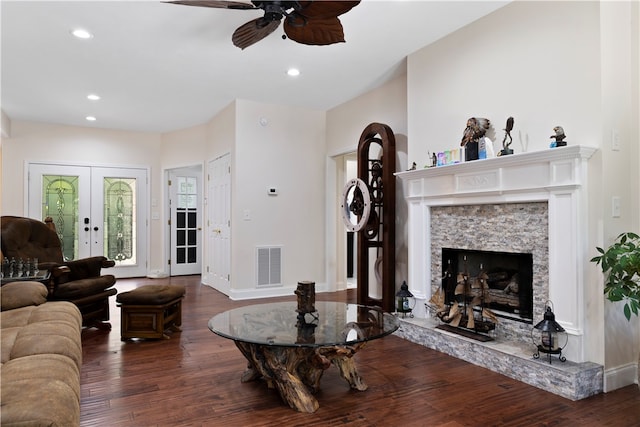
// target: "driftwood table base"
[[296, 371], [290, 347]]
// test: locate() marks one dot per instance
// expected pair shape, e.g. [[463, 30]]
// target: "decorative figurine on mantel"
[[507, 134], [473, 139], [559, 137]]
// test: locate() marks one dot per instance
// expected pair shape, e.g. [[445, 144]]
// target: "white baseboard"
[[621, 376], [269, 292], [157, 274]]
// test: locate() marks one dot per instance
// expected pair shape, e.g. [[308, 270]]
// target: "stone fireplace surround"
[[529, 202]]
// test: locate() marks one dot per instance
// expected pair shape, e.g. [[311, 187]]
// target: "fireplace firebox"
[[506, 280]]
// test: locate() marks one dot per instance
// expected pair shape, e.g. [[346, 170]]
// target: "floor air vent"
[[269, 265]]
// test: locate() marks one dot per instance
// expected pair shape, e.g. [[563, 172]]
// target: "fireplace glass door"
[[508, 276]]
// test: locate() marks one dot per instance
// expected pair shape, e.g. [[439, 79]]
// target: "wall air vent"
[[269, 266]]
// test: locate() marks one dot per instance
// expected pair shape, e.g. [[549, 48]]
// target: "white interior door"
[[219, 223], [185, 225], [96, 210]]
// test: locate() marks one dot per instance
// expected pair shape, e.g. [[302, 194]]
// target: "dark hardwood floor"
[[193, 379]]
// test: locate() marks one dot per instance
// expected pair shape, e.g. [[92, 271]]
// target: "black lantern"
[[404, 300], [549, 336]]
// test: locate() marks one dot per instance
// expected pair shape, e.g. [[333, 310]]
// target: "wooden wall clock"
[[368, 208]]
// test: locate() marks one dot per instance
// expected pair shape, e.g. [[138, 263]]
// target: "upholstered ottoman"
[[148, 311]]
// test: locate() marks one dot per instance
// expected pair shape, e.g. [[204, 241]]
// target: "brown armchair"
[[79, 281]]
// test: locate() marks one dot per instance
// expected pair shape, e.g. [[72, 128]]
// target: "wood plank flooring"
[[193, 379]]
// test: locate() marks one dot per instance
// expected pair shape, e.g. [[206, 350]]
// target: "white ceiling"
[[161, 67]]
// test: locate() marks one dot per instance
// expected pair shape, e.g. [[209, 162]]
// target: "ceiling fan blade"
[[253, 31], [217, 4], [317, 32], [325, 9], [317, 22]]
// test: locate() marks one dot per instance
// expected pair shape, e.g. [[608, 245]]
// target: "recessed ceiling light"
[[293, 72], [93, 97], [90, 118], [81, 34]]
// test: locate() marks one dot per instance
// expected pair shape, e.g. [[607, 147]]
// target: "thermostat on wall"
[[272, 191]]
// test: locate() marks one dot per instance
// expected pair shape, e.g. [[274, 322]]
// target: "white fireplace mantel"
[[558, 176]]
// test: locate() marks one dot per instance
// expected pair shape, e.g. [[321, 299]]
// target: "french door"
[[96, 210], [185, 224]]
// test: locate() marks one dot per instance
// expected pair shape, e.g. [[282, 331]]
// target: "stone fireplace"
[[504, 228], [530, 203]]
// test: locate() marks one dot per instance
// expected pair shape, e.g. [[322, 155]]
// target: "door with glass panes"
[[185, 225], [96, 211]]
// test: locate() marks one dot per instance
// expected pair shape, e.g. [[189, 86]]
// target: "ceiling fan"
[[306, 22]]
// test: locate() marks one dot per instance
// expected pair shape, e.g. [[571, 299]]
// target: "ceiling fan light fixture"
[[81, 33], [293, 72], [307, 22]]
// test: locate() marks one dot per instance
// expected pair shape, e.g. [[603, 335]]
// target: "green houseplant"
[[620, 262]]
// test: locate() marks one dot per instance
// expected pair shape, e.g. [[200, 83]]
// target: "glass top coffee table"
[[291, 350]]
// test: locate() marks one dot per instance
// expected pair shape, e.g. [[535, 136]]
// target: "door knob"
[[86, 229], [95, 228]]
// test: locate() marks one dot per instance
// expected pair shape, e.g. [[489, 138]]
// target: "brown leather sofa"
[[78, 281]]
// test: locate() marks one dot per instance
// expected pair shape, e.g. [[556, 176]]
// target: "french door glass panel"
[[60, 202], [120, 220], [185, 221], [55, 191], [121, 217]]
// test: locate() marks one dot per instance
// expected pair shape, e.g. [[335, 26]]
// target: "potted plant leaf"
[[620, 262]]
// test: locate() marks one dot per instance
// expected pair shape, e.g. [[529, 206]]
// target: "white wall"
[[386, 104], [535, 61], [281, 147], [184, 147], [221, 133], [620, 59]]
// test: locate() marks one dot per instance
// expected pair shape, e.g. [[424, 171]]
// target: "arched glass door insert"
[[120, 220], [60, 202]]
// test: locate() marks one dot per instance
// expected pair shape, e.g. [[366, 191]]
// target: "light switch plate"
[[615, 140], [615, 207]]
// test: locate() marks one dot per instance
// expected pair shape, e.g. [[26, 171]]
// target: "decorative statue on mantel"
[[473, 137], [559, 137], [507, 134]]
